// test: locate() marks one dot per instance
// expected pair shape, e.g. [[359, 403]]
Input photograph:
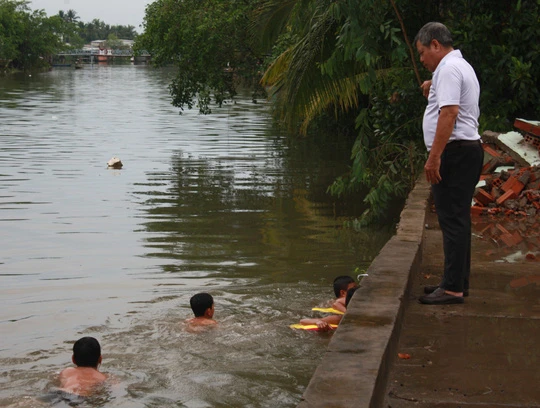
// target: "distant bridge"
[[104, 53]]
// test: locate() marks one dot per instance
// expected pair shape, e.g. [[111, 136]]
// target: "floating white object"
[[115, 163]]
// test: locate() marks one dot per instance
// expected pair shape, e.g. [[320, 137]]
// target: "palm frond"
[[270, 19]]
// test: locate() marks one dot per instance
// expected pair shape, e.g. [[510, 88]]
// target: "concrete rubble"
[[510, 191], [506, 203]]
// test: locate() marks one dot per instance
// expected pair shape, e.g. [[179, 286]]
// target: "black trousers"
[[461, 165]]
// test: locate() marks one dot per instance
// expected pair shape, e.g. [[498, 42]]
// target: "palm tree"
[[342, 57], [71, 16]]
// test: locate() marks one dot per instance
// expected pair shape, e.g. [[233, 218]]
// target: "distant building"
[[128, 43], [100, 44]]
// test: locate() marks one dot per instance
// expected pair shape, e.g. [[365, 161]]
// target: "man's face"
[[429, 56]]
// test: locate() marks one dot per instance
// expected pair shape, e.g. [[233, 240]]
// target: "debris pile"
[[507, 199], [512, 192], [531, 133], [516, 233]]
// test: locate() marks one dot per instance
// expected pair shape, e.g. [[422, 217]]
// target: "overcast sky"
[[112, 12]]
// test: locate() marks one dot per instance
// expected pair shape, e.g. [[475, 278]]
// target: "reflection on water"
[[215, 203]]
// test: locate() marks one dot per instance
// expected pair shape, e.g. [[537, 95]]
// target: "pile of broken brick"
[[513, 191]]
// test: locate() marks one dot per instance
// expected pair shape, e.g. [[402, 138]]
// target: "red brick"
[[508, 184], [517, 238], [527, 127], [508, 239], [532, 140], [489, 150], [517, 187], [508, 195], [476, 210], [491, 165], [483, 197], [497, 182]]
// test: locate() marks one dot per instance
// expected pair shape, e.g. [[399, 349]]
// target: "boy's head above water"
[[87, 352], [342, 284], [202, 305]]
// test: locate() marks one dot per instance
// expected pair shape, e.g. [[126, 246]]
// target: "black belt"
[[462, 143]]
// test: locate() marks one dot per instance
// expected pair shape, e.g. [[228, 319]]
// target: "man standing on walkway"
[[455, 154]]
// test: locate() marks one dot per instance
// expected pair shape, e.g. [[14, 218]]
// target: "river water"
[[219, 203]]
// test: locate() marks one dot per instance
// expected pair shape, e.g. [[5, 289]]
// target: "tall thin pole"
[[407, 41]]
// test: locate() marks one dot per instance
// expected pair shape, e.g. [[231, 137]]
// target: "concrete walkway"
[[391, 351], [484, 353]]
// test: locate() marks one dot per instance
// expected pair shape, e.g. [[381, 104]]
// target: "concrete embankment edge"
[[354, 369]]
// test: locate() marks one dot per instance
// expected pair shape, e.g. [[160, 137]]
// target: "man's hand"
[[425, 88], [432, 166]]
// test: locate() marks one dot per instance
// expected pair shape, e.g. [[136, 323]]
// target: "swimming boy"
[[202, 305], [85, 378], [324, 324], [341, 285]]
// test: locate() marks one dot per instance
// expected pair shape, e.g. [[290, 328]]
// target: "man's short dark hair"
[[86, 352], [342, 283], [200, 303], [434, 31]]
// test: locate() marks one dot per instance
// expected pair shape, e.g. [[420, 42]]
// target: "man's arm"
[[445, 125]]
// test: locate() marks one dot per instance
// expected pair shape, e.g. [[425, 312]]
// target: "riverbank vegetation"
[[352, 62], [29, 38]]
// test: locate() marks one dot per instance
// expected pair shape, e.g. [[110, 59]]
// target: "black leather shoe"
[[432, 288], [440, 297]]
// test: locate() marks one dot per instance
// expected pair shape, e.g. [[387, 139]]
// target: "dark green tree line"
[[99, 30], [27, 38]]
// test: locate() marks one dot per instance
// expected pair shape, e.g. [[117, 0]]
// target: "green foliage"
[[501, 40], [367, 59], [115, 43], [70, 30], [27, 39], [208, 41], [386, 160], [350, 58], [99, 30]]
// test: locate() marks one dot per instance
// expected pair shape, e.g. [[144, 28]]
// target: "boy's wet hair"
[[86, 352], [200, 302], [349, 296], [341, 283]]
